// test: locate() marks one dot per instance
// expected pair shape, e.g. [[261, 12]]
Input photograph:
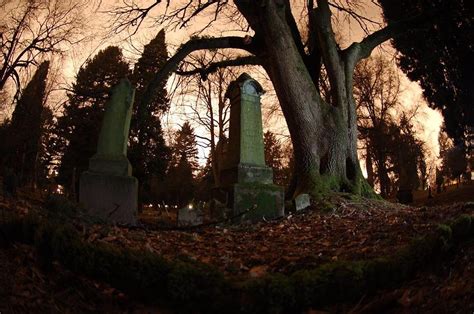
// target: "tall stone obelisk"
[[248, 182], [108, 190]]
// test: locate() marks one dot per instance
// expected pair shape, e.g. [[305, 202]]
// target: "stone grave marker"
[[302, 201], [246, 180], [108, 190], [190, 216]]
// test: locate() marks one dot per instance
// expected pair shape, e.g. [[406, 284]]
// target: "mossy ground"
[[190, 285]]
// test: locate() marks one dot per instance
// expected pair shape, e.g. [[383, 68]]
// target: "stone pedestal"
[[251, 194], [109, 198], [254, 201]]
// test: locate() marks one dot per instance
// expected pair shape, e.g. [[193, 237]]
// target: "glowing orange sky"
[[427, 126]]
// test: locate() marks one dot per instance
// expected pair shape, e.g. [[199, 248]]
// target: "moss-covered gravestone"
[[245, 179], [108, 190]]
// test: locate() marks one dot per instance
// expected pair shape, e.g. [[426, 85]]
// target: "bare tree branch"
[[33, 29], [363, 49], [329, 49], [363, 21], [192, 45], [213, 67], [130, 16]]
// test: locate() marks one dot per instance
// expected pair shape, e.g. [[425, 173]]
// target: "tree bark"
[[324, 135], [369, 166]]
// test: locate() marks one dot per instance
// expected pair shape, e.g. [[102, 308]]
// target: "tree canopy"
[[78, 129], [30, 30], [147, 151], [440, 57], [22, 136]]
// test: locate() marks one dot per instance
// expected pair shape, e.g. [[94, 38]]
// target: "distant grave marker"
[[190, 216], [302, 201], [107, 189]]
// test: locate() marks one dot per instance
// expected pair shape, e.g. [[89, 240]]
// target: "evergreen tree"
[[455, 162], [77, 131], [446, 73], [179, 184], [407, 155], [45, 154], [148, 152], [154, 56], [204, 182], [274, 157], [22, 135], [185, 145]]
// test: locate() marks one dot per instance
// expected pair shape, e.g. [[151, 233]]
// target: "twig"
[[113, 211]]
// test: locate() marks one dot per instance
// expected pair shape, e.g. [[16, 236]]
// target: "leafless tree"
[[31, 30], [204, 95]]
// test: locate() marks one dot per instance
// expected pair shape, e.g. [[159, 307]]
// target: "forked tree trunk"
[[323, 135]]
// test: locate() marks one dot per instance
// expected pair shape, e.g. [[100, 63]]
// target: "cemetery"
[[284, 157]]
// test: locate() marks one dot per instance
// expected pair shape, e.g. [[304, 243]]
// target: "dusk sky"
[[98, 21]]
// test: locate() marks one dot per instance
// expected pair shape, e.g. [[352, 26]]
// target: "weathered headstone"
[[107, 189], [190, 216], [245, 178], [302, 201]]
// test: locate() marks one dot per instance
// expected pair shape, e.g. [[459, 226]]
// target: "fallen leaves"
[[24, 288], [258, 271], [355, 231]]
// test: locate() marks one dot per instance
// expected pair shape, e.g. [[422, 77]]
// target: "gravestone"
[[301, 202], [190, 216], [108, 190], [245, 179]]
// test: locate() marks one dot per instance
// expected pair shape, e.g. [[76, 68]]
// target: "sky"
[[98, 37]]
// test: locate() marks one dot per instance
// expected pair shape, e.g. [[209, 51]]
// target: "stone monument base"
[[112, 165], [108, 197], [255, 201], [246, 174]]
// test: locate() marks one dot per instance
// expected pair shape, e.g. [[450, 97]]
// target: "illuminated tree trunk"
[[323, 135]]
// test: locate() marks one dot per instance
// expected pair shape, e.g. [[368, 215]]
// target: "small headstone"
[[107, 189], [302, 201], [190, 216]]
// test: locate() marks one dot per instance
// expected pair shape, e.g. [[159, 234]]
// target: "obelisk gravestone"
[[107, 189], [248, 182]]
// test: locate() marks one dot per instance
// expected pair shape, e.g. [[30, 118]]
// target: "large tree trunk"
[[324, 135]]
